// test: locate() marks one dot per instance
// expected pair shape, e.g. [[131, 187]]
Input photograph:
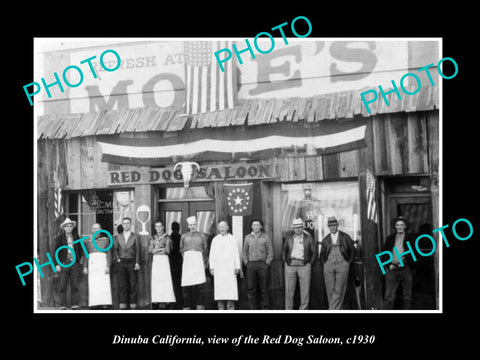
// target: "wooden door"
[[417, 210], [204, 211]]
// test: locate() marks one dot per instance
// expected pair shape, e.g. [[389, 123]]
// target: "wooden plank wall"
[[398, 144], [434, 162]]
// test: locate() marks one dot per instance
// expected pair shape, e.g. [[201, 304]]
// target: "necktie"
[[69, 254]]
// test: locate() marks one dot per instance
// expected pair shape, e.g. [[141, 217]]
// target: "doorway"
[[176, 204], [410, 198]]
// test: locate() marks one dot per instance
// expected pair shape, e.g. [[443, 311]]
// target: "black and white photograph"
[[288, 149]]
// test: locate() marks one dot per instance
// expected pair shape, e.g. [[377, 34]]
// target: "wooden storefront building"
[[99, 163]]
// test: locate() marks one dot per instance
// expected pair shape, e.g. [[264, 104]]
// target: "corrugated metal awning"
[[339, 105]]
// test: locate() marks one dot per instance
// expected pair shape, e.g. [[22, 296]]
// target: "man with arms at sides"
[[126, 255], [98, 270], [336, 255]]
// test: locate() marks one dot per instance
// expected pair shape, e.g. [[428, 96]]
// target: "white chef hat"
[[191, 220]]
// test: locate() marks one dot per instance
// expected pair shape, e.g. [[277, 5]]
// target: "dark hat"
[[332, 220], [399, 218]]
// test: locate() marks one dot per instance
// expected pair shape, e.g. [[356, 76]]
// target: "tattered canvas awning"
[[255, 129]]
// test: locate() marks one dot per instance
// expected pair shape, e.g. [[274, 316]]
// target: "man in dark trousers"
[[257, 256], [126, 255], [70, 274], [176, 261], [397, 274], [336, 255]]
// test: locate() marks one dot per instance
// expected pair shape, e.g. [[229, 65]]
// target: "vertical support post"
[[237, 231], [370, 235], [143, 196]]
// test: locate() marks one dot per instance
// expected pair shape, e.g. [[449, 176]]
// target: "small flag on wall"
[[207, 87], [372, 211], [57, 197], [239, 199]]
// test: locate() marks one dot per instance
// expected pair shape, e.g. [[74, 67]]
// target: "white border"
[[119, 41]]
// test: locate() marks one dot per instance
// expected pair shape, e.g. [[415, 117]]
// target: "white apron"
[[99, 292], [193, 268], [162, 286], [224, 259]]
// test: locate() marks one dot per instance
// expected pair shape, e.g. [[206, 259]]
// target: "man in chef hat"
[[193, 247]]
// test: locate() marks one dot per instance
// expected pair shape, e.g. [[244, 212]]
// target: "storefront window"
[[105, 207], [316, 202]]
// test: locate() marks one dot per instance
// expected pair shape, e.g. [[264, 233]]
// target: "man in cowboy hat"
[[398, 275], [68, 275], [298, 255], [336, 255]]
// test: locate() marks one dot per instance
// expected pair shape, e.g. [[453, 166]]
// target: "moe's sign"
[[200, 173]]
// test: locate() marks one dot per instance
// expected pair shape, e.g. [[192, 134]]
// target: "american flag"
[[239, 199], [208, 88], [57, 197], [372, 211]]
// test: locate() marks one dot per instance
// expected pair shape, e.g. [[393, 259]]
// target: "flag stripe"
[[372, 213], [234, 146], [208, 88]]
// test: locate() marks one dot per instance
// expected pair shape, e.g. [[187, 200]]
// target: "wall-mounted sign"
[[205, 173], [143, 215], [152, 73]]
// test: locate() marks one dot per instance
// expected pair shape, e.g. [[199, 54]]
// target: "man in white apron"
[[98, 270], [159, 247], [224, 262], [193, 247]]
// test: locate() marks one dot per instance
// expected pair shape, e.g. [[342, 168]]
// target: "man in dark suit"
[[72, 273], [398, 274], [126, 255], [298, 255], [336, 255]]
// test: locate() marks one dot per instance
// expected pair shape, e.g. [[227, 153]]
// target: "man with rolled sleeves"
[[298, 255], [257, 256], [126, 256], [336, 255]]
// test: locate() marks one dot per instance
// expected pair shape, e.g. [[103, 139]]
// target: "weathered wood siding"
[[397, 144]]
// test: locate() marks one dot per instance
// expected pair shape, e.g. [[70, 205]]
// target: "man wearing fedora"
[[298, 255], [126, 256], [68, 275], [336, 255], [398, 275]]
